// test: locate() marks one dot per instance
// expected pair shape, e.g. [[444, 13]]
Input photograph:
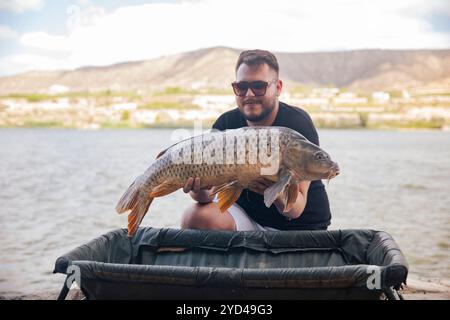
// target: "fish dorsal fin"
[[181, 141], [161, 153], [165, 150]]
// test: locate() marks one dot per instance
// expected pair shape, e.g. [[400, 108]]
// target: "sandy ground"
[[422, 289]]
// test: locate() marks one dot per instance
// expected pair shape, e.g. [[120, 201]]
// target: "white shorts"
[[242, 221]]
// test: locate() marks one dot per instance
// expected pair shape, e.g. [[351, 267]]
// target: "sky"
[[67, 34]]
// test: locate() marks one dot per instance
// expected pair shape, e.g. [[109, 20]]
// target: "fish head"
[[308, 161]]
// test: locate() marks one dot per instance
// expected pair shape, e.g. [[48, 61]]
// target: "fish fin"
[[290, 196], [217, 189], [135, 201], [129, 199], [161, 153], [164, 189], [165, 150], [137, 214], [228, 195], [272, 192]]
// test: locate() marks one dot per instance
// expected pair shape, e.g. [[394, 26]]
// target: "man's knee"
[[198, 216], [206, 217]]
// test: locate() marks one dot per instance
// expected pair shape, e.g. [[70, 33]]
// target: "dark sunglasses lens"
[[259, 88], [240, 88]]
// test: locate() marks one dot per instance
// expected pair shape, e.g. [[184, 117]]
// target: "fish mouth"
[[334, 171]]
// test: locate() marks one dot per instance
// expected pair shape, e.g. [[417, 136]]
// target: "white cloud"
[[19, 63], [84, 2], [7, 33], [19, 6], [141, 32], [87, 15], [45, 41]]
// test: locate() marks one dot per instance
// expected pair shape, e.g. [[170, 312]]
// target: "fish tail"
[[133, 199], [137, 214], [129, 199]]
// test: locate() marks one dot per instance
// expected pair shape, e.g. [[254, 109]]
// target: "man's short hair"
[[258, 57]]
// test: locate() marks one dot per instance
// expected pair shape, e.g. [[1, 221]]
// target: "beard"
[[266, 110]]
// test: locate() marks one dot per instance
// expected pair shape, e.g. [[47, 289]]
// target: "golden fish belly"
[[211, 175]]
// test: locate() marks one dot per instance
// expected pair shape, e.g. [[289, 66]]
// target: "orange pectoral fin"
[[217, 189], [227, 196], [164, 189]]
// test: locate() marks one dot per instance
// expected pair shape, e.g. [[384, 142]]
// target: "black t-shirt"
[[317, 213]]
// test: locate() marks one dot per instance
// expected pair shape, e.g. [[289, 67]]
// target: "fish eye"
[[320, 156]]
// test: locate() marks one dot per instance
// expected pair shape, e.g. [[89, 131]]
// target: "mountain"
[[360, 70]]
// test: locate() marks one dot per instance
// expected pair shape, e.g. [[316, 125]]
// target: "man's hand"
[[192, 186]]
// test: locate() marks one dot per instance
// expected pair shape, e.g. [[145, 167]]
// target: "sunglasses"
[[258, 88]]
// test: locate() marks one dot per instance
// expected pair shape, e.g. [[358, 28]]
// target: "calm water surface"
[[58, 189]]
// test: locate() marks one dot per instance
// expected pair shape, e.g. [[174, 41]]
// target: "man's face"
[[257, 108]]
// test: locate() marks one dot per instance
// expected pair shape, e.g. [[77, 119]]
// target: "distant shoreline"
[[174, 126]]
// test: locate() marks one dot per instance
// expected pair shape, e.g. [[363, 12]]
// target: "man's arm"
[[297, 209]]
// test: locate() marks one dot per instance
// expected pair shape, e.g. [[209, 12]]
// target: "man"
[[257, 89]]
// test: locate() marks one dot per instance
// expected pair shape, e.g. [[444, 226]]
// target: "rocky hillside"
[[362, 70]]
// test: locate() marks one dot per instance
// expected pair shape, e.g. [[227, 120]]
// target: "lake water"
[[58, 190]]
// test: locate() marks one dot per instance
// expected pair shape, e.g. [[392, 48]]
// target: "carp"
[[228, 161]]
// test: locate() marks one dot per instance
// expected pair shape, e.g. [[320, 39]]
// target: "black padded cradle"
[[197, 264]]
